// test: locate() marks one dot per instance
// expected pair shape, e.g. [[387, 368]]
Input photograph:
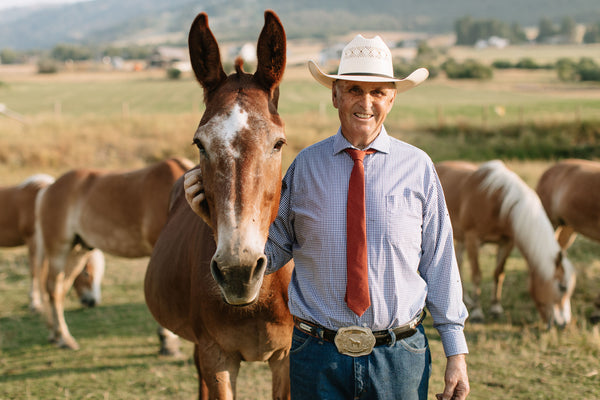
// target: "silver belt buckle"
[[354, 341]]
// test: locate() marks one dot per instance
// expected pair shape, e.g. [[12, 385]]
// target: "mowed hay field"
[[127, 120]]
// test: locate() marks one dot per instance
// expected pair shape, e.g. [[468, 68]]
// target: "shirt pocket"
[[404, 220]]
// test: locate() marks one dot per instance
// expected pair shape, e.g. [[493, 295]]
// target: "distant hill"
[[133, 21]]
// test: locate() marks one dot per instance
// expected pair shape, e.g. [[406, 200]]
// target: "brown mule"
[[570, 195], [491, 204], [121, 213], [17, 228], [205, 280]]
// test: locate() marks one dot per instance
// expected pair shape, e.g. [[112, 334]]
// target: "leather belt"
[[381, 337]]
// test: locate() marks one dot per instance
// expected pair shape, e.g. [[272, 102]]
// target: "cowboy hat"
[[367, 60]]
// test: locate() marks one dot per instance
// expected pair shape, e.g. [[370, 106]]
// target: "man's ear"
[[393, 98], [334, 95]]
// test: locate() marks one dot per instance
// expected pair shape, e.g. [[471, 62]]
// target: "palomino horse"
[[569, 193], [119, 213], [216, 295], [17, 225], [491, 204]]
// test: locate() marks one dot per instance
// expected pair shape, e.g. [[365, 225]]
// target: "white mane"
[[38, 179], [533, 232]]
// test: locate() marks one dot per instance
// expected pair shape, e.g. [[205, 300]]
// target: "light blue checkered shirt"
[[411, 256]]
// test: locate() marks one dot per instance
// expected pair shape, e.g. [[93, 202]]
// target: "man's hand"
[[194, 190], [456, 379]]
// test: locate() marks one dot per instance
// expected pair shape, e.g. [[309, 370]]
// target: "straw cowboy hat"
[[367, 60]]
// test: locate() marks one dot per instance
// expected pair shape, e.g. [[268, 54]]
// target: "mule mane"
[[532, 229], [239, 65]]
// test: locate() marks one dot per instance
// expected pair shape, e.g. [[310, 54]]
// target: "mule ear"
[[204, 54], [271, 52]]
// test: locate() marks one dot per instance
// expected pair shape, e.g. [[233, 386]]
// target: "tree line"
[[469, 31]]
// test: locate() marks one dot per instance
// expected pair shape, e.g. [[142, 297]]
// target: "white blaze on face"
[[222, 132], [224, 129]]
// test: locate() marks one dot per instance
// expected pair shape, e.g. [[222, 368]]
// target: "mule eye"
[[278, 145], [199, 145]]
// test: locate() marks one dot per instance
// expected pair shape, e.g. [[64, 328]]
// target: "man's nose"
[[366, 100]]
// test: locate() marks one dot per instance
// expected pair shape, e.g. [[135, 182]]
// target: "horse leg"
[[565, 235], [504, 249], [35, 294], [472, 244], [279, 364], [217, 371], [61, 274], [459, 249], [169, 342], [595, 316], [59, 331]]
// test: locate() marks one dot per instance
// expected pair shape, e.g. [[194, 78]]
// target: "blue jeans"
[[397, 371]]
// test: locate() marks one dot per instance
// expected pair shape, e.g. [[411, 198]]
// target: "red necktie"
[[357, 284]]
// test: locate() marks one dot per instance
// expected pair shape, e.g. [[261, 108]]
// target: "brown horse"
[[205, 280], [17, 227], [569, 193], [491, 204], [120, 213]]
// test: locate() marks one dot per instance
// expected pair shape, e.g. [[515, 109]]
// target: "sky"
[[21, 3]]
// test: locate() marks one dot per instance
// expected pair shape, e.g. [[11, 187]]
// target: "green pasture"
[[129, 120], [510, 358]]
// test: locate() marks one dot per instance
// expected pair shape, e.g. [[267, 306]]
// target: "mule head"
[[239, 139], [552, 296]]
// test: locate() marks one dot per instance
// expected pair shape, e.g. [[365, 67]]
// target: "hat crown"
[[364, 56]]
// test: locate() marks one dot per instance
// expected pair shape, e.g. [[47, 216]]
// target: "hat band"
[[367, 74]]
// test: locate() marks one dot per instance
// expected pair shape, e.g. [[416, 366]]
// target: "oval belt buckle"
[[354, 341]]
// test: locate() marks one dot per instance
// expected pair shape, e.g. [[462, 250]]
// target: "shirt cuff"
[[454, 341]]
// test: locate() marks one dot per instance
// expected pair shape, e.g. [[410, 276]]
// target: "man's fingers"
[[190, 178], [194, 189]]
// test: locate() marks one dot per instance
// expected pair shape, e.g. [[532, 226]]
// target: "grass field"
[[128, 120]]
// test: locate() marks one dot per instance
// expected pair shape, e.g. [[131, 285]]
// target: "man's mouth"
[[363, 116]]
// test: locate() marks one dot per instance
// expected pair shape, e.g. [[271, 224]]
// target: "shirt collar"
[[381, 142]]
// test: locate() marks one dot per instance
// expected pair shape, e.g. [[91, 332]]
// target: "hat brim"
[[417, 77]]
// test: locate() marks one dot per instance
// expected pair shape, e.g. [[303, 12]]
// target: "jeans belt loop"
[[392, 337], [320, 333]]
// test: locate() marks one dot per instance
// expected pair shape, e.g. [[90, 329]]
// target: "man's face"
[[362, 108]]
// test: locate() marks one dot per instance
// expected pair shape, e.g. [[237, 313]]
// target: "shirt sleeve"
[[439, 269], [278, 248]]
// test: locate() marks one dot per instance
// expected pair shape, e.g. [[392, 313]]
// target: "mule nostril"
[[261, 264], [216, 272]]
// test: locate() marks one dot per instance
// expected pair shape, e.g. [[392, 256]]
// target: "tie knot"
[[359, 154]]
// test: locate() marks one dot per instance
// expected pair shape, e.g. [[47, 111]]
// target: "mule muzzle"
[[239, 280]]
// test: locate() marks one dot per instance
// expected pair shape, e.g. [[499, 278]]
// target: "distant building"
[[247, 51], [492, 41], [171, 57], [331, 54]]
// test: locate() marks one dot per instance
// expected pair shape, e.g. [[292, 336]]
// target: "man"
[[409, 253], [372, 247]]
